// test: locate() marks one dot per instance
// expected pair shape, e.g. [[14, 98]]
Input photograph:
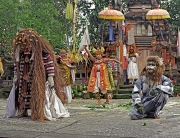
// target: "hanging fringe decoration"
[[178, 43], [111, 33], [1, 68], [160, 31], [74, 50], [69, 11], [164, 55]]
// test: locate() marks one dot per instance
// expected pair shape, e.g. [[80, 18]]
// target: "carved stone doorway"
[[145, 52]]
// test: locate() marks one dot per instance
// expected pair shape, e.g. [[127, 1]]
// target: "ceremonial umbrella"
[[157, 14], [112, 15]]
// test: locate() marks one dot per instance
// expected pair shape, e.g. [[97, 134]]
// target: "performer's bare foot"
[[99, 102], [106, 102], [107, 98], [98, 98], [157, 117]]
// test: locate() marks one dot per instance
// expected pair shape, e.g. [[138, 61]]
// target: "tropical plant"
[[172, 6]]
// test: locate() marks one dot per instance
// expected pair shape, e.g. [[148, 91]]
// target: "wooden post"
[[74, 27]]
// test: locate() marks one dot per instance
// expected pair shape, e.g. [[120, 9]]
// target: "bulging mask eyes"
[[151, 65]]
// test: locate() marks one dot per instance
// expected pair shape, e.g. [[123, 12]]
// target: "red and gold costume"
[[100, 78], [104, 78]]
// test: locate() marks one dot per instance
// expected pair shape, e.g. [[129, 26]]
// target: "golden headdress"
[[25, 39], [98, 50], [62, 51]]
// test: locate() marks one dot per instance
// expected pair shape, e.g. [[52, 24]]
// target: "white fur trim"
[[17, 53], [32, 57]]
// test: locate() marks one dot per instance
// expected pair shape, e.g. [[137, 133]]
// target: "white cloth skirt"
[[67, 90], [53, 105], [132, 70], [97, 84], [10, 104]]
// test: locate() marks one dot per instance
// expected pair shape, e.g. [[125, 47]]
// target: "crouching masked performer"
[[36, 83], [154, 88]]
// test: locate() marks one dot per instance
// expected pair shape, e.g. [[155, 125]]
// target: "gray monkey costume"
[[151, 91]]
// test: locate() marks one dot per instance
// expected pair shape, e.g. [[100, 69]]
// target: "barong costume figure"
[[132, 70], [66, 69], [151, 91], [100, 78], [36, 83]]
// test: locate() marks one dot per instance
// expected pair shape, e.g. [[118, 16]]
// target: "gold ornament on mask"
[[23, 40]]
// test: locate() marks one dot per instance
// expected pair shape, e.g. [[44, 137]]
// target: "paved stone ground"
[[99, 122]]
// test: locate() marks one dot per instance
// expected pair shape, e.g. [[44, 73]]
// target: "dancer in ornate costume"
[[99, 78], [67, 72], [151, 91], [36, 83]]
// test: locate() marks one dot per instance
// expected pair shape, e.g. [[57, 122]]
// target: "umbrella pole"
[[111, 33], [74, 27], [102, 33]]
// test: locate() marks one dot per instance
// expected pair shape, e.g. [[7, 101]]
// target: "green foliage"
[[128, 105], [78, 90], [172, 6], [48, 18], [41, 15], [102, 106], [91, 14], [176, 89]]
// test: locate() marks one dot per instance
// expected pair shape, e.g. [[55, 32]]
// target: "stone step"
[[125, 91], [122, 96], [126, 86]]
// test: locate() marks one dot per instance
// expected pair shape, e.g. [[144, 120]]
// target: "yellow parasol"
[[157, 14], [112, 15]]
